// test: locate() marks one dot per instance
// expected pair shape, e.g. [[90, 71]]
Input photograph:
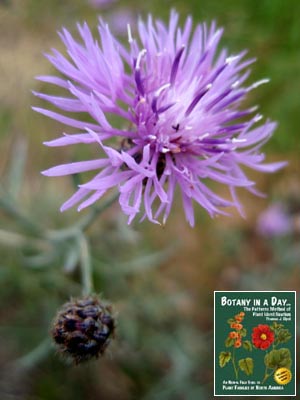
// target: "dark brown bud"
[[83, 327]]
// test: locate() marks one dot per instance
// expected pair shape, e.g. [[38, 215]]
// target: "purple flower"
[[120, 18], [165, 113], [101, 3], [274, 221]]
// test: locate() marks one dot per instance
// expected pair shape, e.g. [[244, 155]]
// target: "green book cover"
[[254, 343]]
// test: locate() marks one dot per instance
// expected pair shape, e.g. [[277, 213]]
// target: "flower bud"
[[83, 327]]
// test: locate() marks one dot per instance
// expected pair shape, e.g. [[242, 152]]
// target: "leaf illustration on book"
[[231, 321], [224, 358], [229, 342], [247, 345], [243, 332], [278, 358], [246, 365], [283, 336]]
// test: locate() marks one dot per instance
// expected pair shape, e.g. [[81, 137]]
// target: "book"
[[255, 343]]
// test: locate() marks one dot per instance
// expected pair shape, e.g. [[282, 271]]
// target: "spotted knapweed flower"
[[178, 100]]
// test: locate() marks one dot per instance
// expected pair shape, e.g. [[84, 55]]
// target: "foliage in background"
[[163, 298]]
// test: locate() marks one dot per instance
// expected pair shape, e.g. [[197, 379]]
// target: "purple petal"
[[75, 168]]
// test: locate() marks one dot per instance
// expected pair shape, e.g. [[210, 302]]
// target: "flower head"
[[262, 336], [83, 327], [100, 3], [166, 113], [233, 335], [275, 221], [237, 343]]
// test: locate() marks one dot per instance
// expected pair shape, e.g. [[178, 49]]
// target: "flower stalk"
[[236, 370], [85, 266]]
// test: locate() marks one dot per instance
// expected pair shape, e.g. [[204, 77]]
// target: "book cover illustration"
[[255, 343]]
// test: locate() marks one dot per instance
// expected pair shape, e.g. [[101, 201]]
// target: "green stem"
[[32, 358], [267, 375], [236, 371], [84, 223], [16, 240], [86, 266], [75, 231], [87, 221], [8, 205]]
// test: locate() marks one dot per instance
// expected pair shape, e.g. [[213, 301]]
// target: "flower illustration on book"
[[262, 337], [236, 340], [265, 336]]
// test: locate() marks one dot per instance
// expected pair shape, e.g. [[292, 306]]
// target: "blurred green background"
[[160, 280]]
